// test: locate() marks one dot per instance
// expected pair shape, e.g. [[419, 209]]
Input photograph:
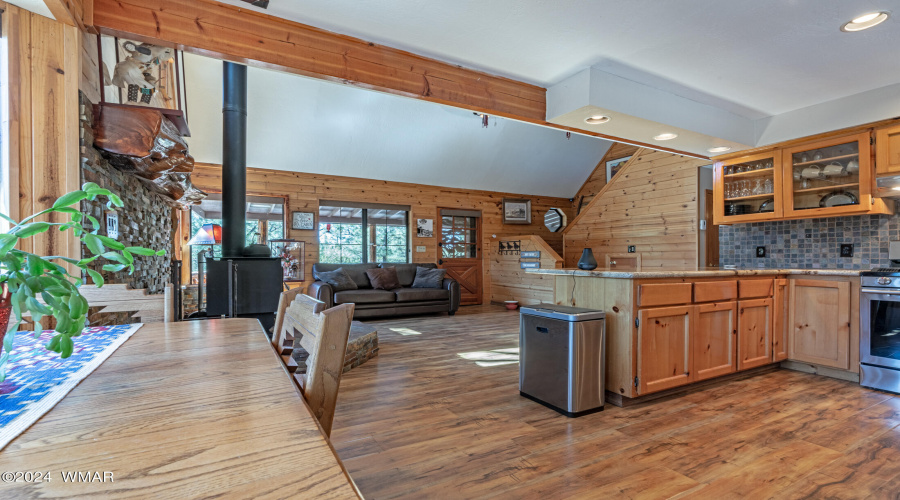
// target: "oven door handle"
[[881, 291]]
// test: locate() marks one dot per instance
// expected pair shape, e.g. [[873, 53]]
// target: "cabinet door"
[[820, 322], [754, 333], [748, 188], [887, 150], [781, 326], [664, 348], [829, 177], [713, 340]]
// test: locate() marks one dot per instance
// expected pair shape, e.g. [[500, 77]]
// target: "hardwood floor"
[[437, 414]]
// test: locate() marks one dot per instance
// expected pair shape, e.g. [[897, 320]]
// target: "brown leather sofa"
[[374, 303]]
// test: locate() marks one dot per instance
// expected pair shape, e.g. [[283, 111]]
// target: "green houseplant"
[[41, 286]]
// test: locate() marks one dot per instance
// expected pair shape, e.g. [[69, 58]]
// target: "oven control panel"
[[880, 282]]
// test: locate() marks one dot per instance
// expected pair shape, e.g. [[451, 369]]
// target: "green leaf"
[[142, 251], [114, 267], [96, 277], [93, 243], [111, 243], [88, 186], [99, 191], [35, 265], [116, 200], [35, 306], [94, 222], [83, 262], [160, 252], [70, 199], [7, 242], [66, 346], [32, 229], [78, 305], [115, 257], [53, 345], [63, 323]]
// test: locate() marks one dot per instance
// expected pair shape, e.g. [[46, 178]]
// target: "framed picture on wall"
[[424, 228], [613, 167], [516, 211], [303, 220]]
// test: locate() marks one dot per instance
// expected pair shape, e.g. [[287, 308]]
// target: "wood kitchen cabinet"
[[748, 189], [664, 348], [820, 322], [754, 344], [714, 340], [817, 178], [887, 150], [780, 325], [830, 177]]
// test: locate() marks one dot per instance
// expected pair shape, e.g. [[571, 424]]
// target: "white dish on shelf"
[[811, 172], [852, 167], [833, 169]]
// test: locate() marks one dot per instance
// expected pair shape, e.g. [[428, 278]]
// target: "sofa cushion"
[[406, 273], [364, 296], [418, 294], [338, 279], [383, 278], [357, 272], [429, 278]]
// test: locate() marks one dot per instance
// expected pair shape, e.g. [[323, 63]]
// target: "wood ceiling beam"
[[232, 33]]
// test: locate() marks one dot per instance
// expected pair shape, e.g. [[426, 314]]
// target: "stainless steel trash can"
[[562, 357]]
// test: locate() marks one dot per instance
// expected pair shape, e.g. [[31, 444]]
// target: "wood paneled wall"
[[303, 192], [43, 120], [597, 179], [652, 204], [511, 282]]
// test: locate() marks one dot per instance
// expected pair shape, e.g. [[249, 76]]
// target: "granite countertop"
[[697, 272]]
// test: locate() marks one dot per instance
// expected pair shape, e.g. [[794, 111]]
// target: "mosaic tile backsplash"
[[810, 243]]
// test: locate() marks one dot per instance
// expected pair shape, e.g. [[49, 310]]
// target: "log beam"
[[232, 33]]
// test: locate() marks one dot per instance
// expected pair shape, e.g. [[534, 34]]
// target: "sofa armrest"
[[322, 291], [453, 286]]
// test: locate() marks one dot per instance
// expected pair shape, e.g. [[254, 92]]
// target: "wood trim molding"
[[232, 33]]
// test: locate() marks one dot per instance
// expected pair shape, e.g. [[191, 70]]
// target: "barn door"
[[459, 251]]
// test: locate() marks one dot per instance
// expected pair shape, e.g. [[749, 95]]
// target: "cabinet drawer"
[[664, 294], [748, 289], [710, 291]]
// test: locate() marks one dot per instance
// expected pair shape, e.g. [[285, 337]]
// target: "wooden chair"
[[324, 334], [283, 340]]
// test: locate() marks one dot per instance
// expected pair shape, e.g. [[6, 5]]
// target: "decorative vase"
[[587, 261], [5, 312]]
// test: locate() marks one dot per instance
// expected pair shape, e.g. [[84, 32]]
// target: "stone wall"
[[145, 220]]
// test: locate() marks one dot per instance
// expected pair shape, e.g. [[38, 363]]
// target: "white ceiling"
[[754, 59], [306, 125]]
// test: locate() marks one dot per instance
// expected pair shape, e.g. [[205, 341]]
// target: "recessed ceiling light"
[[720, 149], [596, 119], [865, 21], [668, 136]]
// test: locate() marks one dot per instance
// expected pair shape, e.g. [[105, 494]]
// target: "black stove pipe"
[[234, 159]]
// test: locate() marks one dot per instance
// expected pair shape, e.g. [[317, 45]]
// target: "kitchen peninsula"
[[669, 328]]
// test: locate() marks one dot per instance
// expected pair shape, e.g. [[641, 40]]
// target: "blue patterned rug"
[[37, 379]]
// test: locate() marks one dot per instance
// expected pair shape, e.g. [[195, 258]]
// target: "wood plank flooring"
[[437, 414]]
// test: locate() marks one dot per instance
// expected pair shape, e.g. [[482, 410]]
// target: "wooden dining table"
[[193, 409]]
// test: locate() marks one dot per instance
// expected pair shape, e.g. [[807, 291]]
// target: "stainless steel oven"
[[879, 334]]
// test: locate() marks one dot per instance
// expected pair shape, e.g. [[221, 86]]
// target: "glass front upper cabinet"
[[748, 188], [828, 177]]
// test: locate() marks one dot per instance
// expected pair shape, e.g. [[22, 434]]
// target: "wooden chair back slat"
[[323, 334], [280, 339]]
